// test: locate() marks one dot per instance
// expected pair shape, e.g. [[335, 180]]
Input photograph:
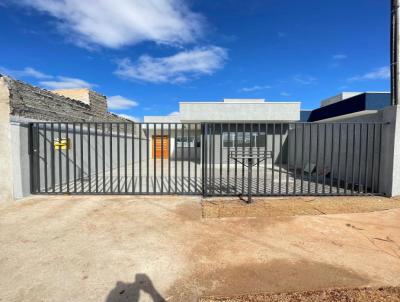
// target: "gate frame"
[[206, 128]]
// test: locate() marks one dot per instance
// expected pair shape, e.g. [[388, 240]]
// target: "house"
[[227, 113], [350, 105]]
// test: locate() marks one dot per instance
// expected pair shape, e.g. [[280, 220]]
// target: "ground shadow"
[[130, 292]]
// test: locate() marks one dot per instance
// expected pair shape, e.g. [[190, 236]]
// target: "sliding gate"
[[115, 158], [209, 159], [292, 159]]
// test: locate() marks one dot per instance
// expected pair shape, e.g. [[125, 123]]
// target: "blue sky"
[[147, 55]]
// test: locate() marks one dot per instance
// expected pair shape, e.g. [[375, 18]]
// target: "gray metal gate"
[[115, 158], [293, 159], [190, 158]]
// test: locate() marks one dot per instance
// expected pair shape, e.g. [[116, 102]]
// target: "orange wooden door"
[[161, 146]]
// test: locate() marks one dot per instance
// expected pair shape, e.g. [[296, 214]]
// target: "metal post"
[[395, 55], [250, 172]]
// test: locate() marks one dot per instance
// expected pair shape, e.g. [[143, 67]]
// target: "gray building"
[[228, 112], [231, 111], [349, 104]]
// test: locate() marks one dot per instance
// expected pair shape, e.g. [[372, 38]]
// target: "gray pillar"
[[390, 169], [6, 171]]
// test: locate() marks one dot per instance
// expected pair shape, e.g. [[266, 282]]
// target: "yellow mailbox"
[[61, 144]]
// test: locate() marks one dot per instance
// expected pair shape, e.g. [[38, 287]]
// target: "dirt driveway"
[[100, 248]]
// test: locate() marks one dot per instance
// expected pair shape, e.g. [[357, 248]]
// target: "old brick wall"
[[31, 102]]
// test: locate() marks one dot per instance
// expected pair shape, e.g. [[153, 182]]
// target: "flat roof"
[[266, 102]]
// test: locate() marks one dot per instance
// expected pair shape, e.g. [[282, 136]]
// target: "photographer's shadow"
[[130, 292]]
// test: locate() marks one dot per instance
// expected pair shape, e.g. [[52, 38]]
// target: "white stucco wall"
[[239, 111]]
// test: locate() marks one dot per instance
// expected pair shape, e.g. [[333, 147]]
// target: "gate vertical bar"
[[359, 160], [96, 156], [346, 159], [196, 138], [169, 157], [45, 156], [258, 159], [295, 159], [111, 159], [309, 162], [323, 161], [281, 159], [266, 157], [373, 160], [66, 156], [317, 162], [182, 157], [273, 159], [32, 166], [147, 158], [118, 159], [140, 156], [302, 157], [366, 162], [353, 159], [39, 183], [332, 155], [220, 159], [250, 166], [243, 150], [162, 159], [379, 159], [203, 159], [103, 155], [236, 146], [189, 139], [89, 158], [175, 157], [339, 157], [154, 158], [125, 157], [52, 163], [59, 160], [133, 157], [74, 153], [228, 159]]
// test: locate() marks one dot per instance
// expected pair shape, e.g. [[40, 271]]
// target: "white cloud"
[[47, 81], [254, 88], [122, 22], [129, 117], [174, 113], [61, 82], [305, 79], [119, 102], [27, 72], [178, 68], [339, 57], [382, 73], [285, 94]]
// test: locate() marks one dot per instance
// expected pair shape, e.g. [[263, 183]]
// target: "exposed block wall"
[[35, 103]]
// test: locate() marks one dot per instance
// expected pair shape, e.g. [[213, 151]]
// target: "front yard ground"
[[159, 248]]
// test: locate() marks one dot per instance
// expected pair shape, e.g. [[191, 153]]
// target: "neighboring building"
[[27, 102], [21, 103], [350, 104]]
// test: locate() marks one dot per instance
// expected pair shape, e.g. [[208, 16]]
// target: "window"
[[247, 140], [186, 142]]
